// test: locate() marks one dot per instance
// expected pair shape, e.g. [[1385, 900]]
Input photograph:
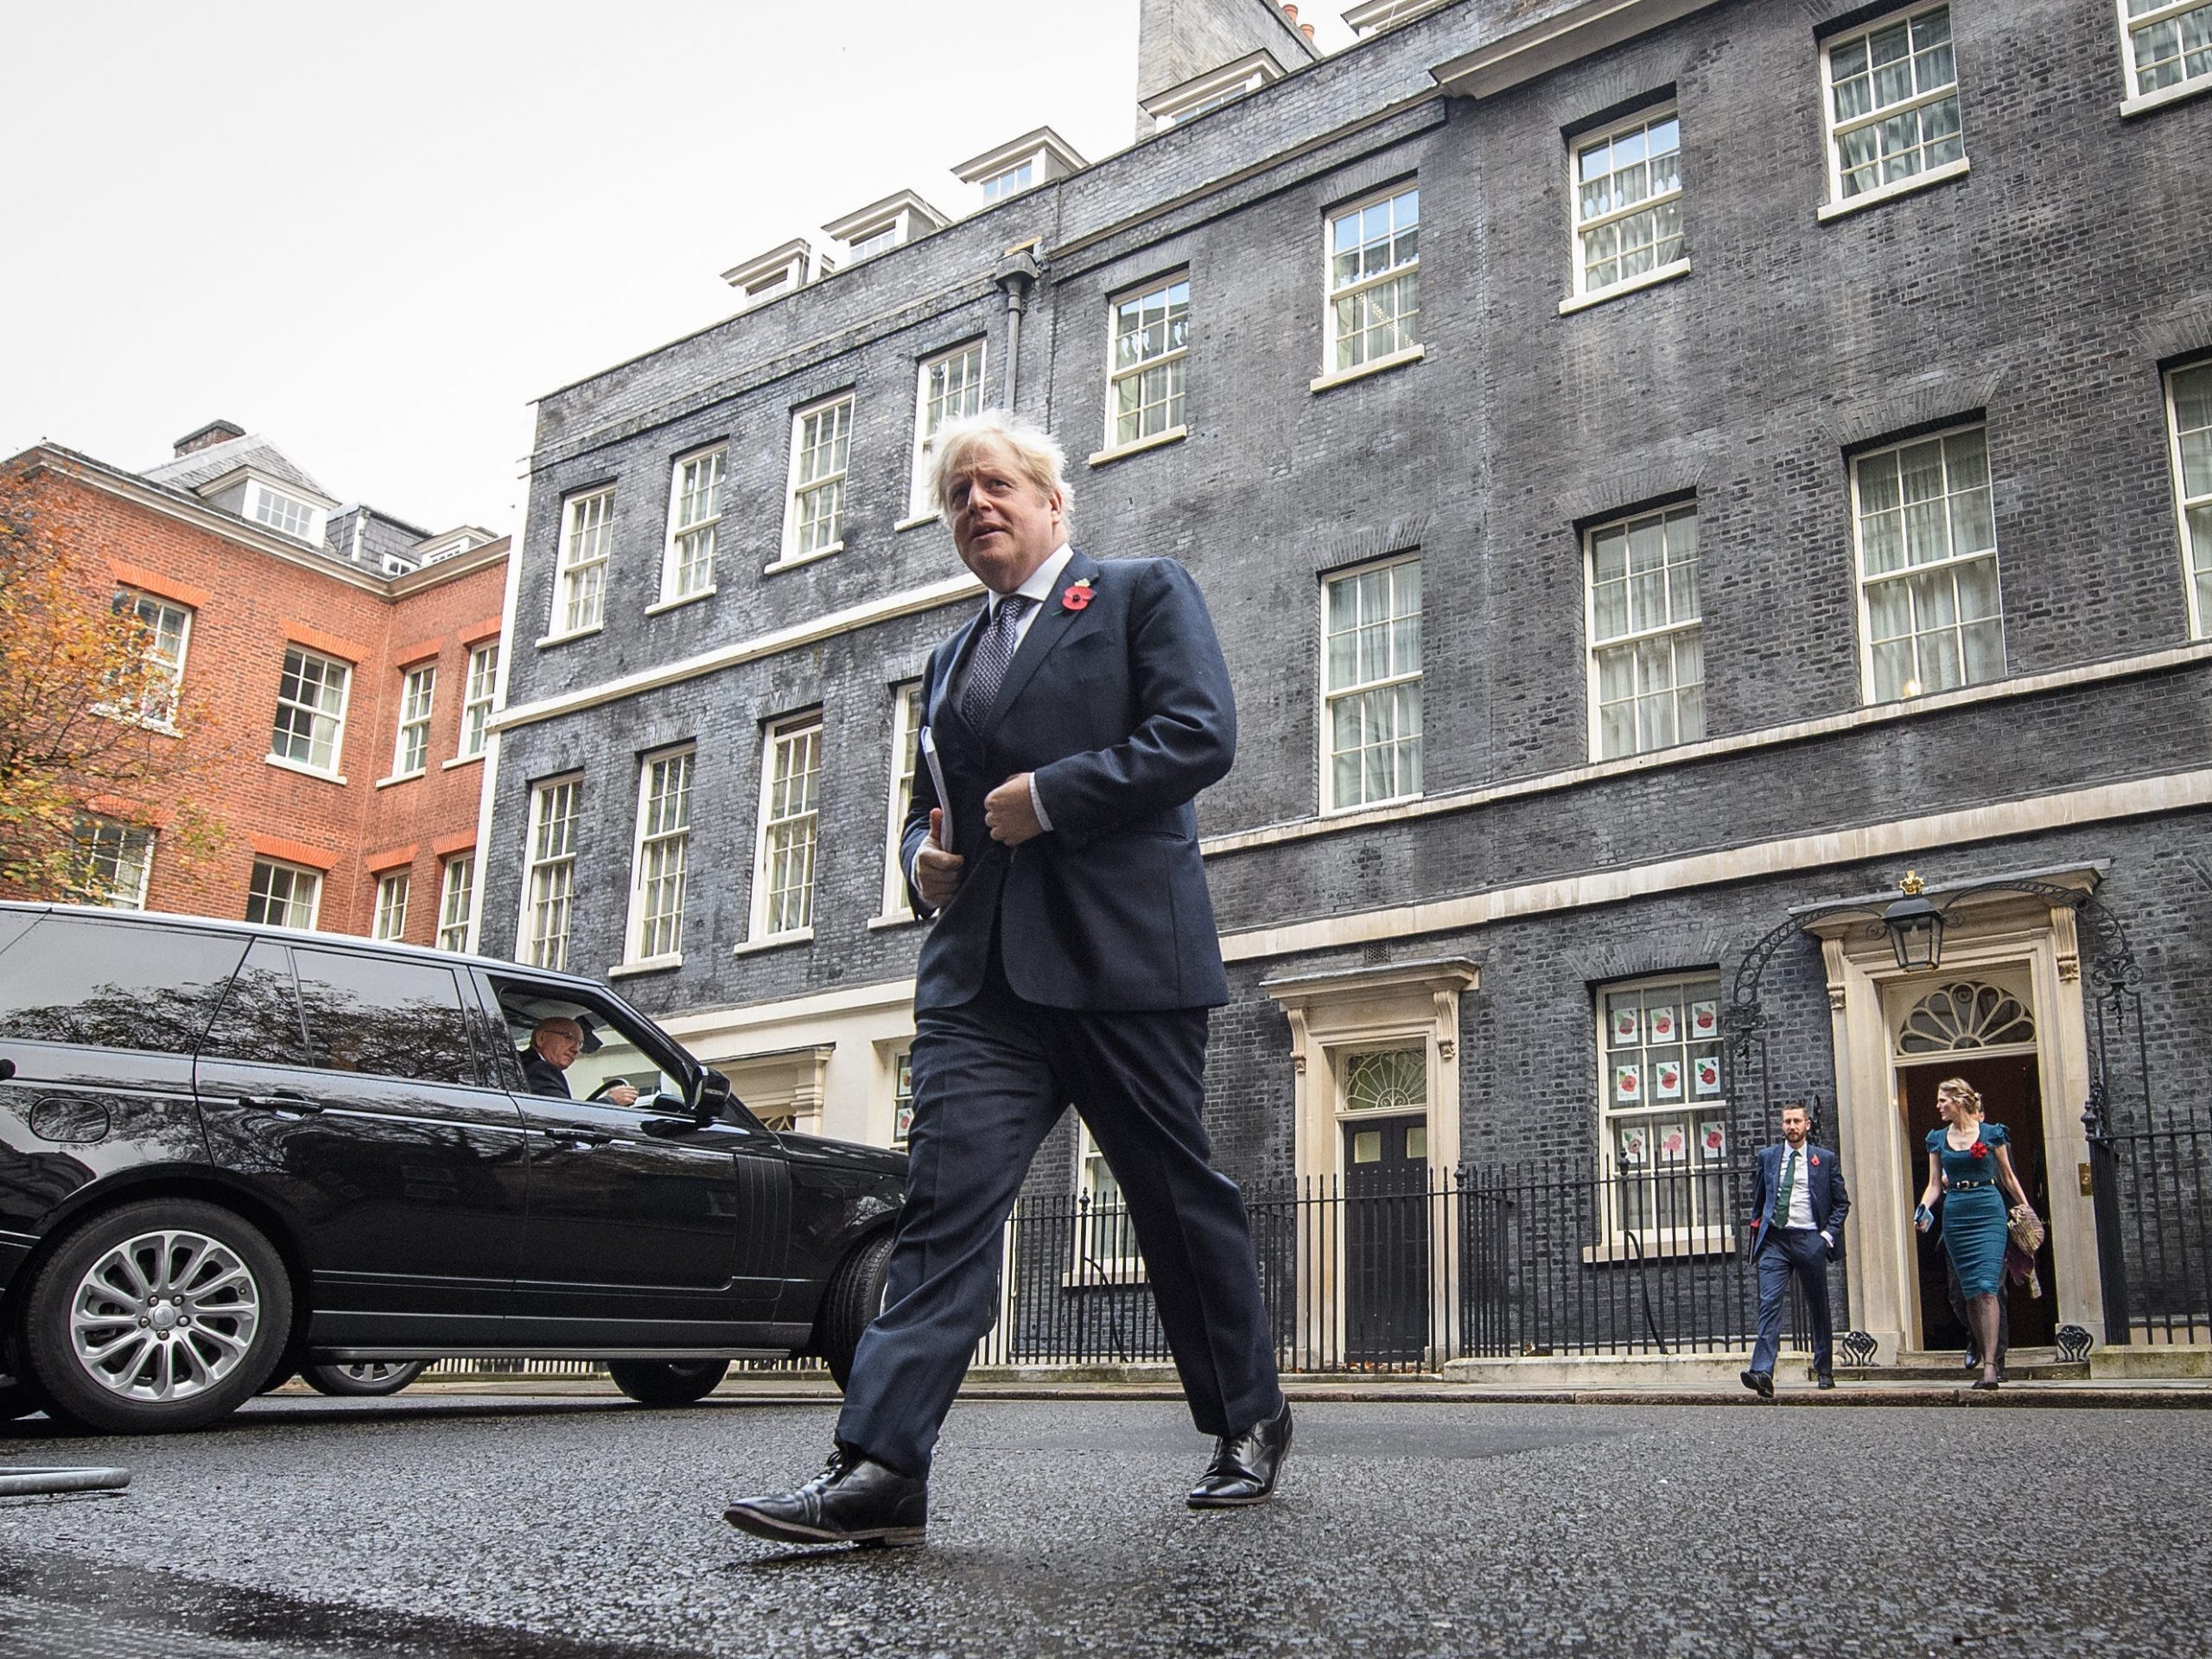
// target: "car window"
[[13, 924], [384, 1018], [259, 1020], [71, 979], [629, 1050]]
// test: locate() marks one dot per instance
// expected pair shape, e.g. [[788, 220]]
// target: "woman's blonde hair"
[[1041, 460], [1961, 1091]]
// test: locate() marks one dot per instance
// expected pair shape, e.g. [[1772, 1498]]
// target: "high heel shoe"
[[1989, 1382]]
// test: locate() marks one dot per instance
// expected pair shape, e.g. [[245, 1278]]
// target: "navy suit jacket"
[[543, 1076], [1823, 1171], [1122, 712]]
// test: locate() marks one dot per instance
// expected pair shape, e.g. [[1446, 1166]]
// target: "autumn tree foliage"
[[91, 727]]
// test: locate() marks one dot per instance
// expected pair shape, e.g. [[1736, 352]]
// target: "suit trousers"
[[1785, 1252], [991, 1078]]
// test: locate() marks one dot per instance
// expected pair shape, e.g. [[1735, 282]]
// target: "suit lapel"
[[1053, 620]]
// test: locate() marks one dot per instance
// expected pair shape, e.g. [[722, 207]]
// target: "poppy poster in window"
[[1667, 1078], [1674, 1144], [1663, 1026], [1626, 1027], [1713, 1138], [1705, 1019], [1707, 1072], [1635, 1144], [1628, 1083]]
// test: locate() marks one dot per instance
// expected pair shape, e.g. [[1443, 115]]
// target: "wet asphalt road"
[[437, 1524]]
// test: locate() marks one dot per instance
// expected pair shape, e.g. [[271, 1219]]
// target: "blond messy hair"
[[1961, 1091], [1040, 459]]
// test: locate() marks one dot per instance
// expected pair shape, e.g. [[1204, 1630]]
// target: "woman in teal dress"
[[1970, 1166]]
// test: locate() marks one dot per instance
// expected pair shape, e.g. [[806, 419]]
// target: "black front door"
[[346, 1088], [1386, 1240]]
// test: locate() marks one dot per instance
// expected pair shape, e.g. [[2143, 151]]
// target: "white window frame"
[[1712, 1229], [2196, 548], [773, 918], [394, 890], [456, 900], [1952, 563], [686, 569], [587, 544], [2138, 97], [660, 857], [1344, 1066], [839, 409], [158, 711], [1335, 341], [1010, 181], [315, 712], [932, 411], [410, 742], [1642, 121], [1330, 695], [298, 876], [1836, 130], [549, 871], [477, 697], [264, 499], [123, 853], [906, 734], [1094, 1176], [1672, 630], [1170, 360]]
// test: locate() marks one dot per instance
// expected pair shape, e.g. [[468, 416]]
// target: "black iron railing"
[[2156, 1206]]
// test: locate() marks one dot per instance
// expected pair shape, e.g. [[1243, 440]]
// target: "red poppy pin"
[[1078, 594], [1817, 1161], [1980, 1151]]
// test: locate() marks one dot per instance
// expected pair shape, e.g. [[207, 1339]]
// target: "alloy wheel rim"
[[371, 1371], [164, 1316]]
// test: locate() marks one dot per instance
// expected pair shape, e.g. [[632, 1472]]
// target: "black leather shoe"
[[1245, 1465], [1824, 1380], [852, 1501], [1759, 1383]]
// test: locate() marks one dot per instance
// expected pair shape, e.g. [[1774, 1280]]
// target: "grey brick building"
[[1656, 467]]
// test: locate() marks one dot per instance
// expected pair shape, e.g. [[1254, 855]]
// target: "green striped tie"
[[1788, 1184]]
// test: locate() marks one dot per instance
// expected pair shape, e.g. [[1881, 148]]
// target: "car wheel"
[[667, 1382], [851, 1303], [161, 1315], [367, 1376]]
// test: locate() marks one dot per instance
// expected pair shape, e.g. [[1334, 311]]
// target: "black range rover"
[[227, 1151]]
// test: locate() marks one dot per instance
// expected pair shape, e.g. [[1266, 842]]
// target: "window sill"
[[1370, 806], [1158, 440], [2180, 91], [1360, 371], [661, 605], [1890, 192], [773, 941], [399, 778], [916, 522], [646, 965], [284, 763], [563, 638], [475, 759], [876, 924], [793, 561], [1625, 286], [1660, 1246]]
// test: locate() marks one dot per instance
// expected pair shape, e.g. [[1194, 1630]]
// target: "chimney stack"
[[207, 438]]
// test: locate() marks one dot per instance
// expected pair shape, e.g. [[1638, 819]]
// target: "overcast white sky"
[[374, 231]]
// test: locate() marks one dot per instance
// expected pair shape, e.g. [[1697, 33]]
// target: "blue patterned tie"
[[989, 666]]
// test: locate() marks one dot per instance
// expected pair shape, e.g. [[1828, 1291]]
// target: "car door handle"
[[290, 1101], [582, 1140]]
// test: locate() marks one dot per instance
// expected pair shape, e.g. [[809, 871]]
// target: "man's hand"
[[623, 1094], [1010, 813], [937, 872]]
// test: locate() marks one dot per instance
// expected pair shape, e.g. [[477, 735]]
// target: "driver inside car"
[[553, 1045]]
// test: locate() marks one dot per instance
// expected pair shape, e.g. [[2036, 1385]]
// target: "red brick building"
[[341, 663]]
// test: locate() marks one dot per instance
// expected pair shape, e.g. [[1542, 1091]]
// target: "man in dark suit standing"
[[1798, 1204], [1068, 727]]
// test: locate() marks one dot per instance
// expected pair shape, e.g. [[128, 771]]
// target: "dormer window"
[[882, 226], [288, 515], [1211, 90], [776, 273], [1005, 183], [1019, 164]]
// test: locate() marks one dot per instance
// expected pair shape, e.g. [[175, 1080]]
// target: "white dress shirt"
[[1801, 1188]]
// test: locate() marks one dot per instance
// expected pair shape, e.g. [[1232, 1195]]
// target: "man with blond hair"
[[1068, 727]]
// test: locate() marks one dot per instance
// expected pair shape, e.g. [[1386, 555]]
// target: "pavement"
[[575, 1526]]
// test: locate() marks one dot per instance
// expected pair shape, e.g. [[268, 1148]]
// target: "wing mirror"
[[7, 1068], [714, 1094]]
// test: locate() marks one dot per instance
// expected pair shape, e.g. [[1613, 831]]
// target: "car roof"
[[294, 936]]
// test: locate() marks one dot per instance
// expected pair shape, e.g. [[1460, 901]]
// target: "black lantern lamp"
[[1915, 927]]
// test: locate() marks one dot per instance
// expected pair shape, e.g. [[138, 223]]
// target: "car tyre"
[[157, 1316], [667, 1382], [370, 1377], [850, 1305]]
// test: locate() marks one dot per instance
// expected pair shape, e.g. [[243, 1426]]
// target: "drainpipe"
[[1015, 274]]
